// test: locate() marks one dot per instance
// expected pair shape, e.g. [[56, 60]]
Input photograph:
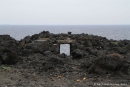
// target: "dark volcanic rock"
[[38, 46], [9, 58], [120, 50], [34, 37], [52, 62], [36, 57], [35, 60], [77, 54], [27, 39], [0, 60], [69, 32], [47, 53], [8, 49], [109, 64], [63, 55], [5, 38], [88, 62], [26, 52], [91, 51]]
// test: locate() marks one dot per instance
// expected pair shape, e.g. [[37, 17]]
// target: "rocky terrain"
[[35, 61]]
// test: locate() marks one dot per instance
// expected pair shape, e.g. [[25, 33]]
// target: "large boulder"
[[9, 58], [8, 49], [77, 54], [112, 63], [7, 42]]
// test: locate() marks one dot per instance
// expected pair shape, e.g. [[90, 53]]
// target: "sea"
[[115, 32]]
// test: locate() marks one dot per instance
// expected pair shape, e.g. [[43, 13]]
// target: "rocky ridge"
[[38, 55]]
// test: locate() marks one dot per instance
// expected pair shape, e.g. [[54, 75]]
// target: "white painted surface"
[[65, 48]]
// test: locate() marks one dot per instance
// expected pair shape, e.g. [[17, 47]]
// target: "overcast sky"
[[64, 12]]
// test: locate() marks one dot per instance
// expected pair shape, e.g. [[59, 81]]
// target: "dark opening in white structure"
[[65, 48]]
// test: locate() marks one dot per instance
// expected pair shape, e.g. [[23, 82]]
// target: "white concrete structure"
[[65, 48]]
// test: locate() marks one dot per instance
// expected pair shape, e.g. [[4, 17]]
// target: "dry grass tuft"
[[115, 55]]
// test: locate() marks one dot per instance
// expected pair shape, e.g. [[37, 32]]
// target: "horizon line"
[[62, 24]]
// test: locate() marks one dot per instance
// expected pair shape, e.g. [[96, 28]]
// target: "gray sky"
[[64, 12]]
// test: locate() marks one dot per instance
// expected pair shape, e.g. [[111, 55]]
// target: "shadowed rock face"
[[9, 58], [77, 54], [108, 64], [8, 49]]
